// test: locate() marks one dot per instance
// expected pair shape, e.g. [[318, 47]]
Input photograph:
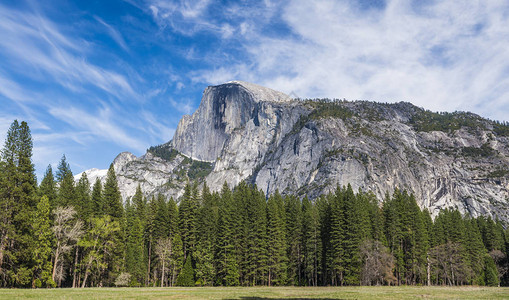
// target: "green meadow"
[[382, 292]]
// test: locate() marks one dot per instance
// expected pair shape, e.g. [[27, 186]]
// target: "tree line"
[[63, 233]]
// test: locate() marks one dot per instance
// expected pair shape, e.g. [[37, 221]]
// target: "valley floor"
[[405, 292]]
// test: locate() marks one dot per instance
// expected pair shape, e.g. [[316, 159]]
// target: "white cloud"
[[114, 34], [35, 45], [443, 55], [100, 125]]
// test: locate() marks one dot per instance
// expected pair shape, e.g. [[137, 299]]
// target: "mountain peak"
[[260, 93]]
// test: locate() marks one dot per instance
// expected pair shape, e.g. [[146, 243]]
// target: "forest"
[[62, 233]]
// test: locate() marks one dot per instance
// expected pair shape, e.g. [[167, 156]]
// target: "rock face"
[[243, 131], [223, 109]]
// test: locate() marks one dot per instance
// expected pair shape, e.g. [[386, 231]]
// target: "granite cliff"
[[243, 131]]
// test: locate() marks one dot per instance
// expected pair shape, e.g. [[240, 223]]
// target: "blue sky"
[[95, 78]]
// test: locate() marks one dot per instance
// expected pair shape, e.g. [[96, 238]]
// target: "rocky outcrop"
[[223, 109], [243, 131]]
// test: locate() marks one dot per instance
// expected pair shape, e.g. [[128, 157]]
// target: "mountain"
[[242, 131]]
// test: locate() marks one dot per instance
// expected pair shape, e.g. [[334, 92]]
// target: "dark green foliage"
[[48, 187], [196, 170], [18, 202], [490, 271], [112, 201], [293, 211], [186, 277], [206, 237], [276, 234], [83, 205], [187, 218], [227, 265], [163, 151], [97, 199], [66, 193], [425, 120], [312, 247], [199, 169], [134, 257], [484, 151], [43, 245]]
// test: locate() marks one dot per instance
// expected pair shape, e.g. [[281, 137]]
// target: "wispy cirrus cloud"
[[442, 55], [113, 33], [38, 48], [99, 124]]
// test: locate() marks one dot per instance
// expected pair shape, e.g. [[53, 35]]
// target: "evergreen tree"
[[187, 219], [206, 237], [256, 237], [43, 245], [134, 257], [276, 245], [226, 255], [293, 210], [112, 206], [337, 236], [10, 193], [186, 277], [112, 200], [18, 204], [66, 192], [311, 241], [48, 187], [353, 235], [97, 199], [490, 271], [84, 205], [323, 205]]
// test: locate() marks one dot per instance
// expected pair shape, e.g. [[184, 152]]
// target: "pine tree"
[[276, 245], [323, 205], [225, 254], [490, 271], [186, 277], [112, 206], [134, 257], [311, 241], [337, 235], [353, 234], [43, 245], [97, 199], [18, 204], [84, 205], [66, 191], [139, 204], [206, 237], [187, 219], [475, 250], [112, 200], [48, 187], [10, 194], [256, 237], [293, 211]]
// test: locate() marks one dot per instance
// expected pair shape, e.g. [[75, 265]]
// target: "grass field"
[[262, 293]]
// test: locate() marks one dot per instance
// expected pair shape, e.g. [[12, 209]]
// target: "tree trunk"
[[57, 254], [3, 244], [85, 279], [149, 255], [428, 270], [60, 277], [75, 268], [162, 274]]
